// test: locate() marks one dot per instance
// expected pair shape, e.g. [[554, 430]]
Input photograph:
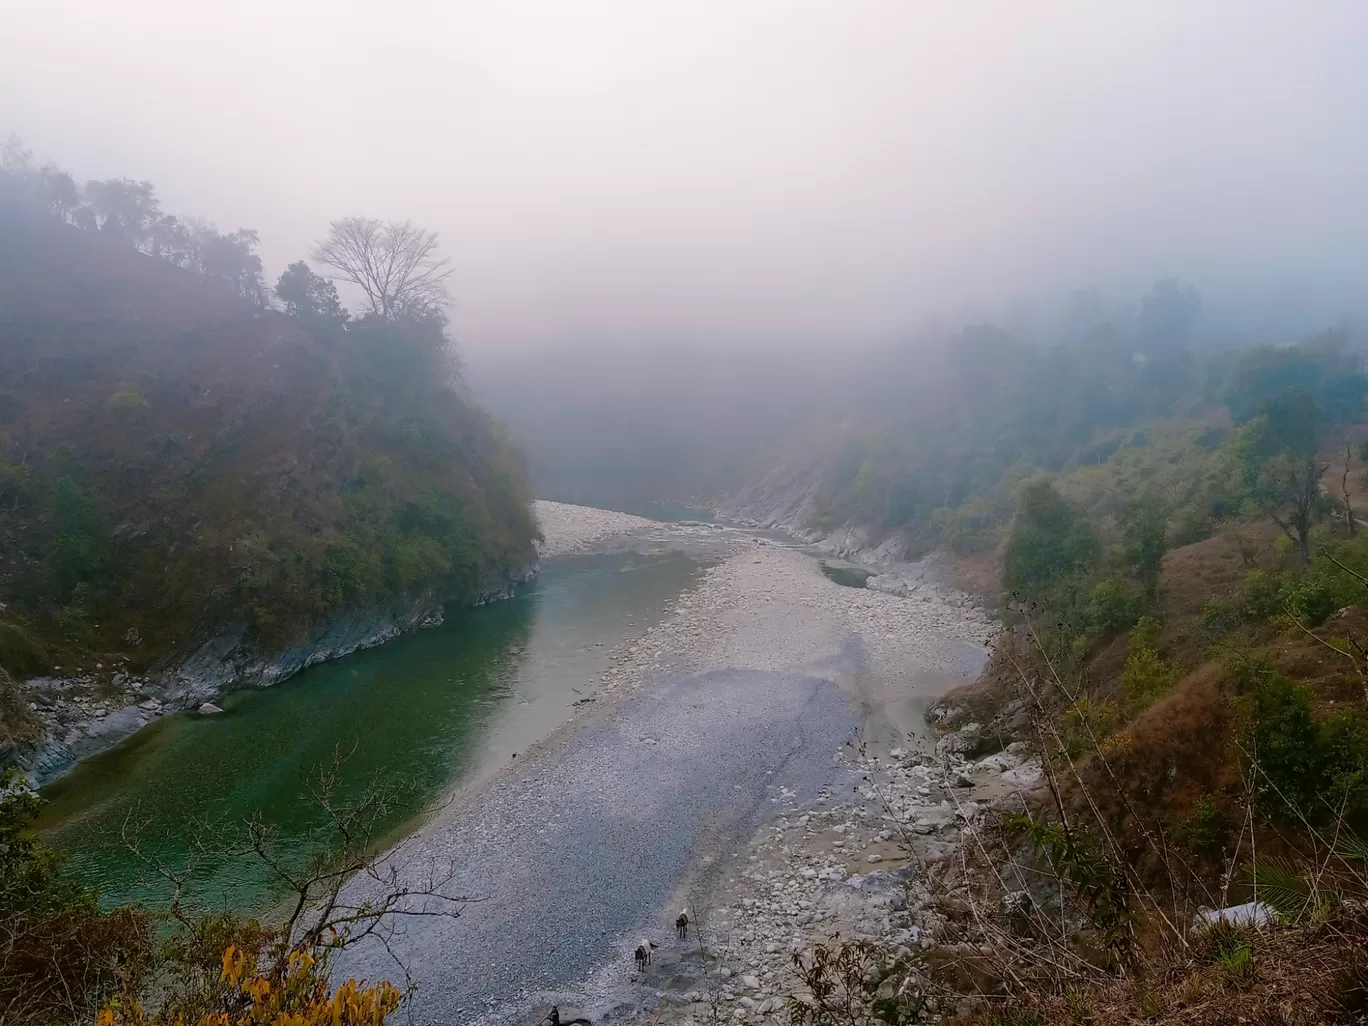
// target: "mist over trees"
[[395, 265], [130, 211]]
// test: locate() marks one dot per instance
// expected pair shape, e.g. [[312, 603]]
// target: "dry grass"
[[1293, 977], [19, 727], [1135, 791]]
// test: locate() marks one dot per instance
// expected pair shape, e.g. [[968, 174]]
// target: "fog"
[[772, 172]]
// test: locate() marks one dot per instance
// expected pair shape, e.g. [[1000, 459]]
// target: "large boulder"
[[961, 744]]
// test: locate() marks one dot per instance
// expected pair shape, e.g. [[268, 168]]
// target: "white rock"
[[1251, 913], [1028, 774]]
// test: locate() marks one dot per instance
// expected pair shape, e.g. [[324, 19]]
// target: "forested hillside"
[[178, 456], [1181, 573]]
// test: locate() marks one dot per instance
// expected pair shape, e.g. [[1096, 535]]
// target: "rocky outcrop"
[[77, 723]]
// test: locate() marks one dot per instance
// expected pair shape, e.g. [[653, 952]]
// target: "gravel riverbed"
[[567, 528], [717, 766]]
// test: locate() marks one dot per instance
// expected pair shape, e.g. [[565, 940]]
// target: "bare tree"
[[394, 263]]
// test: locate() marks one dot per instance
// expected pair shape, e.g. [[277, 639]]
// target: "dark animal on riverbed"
[[553, 1019], [682, 924], [643, 954]]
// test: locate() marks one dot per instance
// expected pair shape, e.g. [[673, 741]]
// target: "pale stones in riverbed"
[[568, 528]]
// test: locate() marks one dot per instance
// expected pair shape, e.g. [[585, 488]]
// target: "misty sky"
[[770, 170]]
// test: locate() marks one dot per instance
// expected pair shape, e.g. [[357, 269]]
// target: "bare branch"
[[395, 264]]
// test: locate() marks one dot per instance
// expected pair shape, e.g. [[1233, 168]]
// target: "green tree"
[[1167, 313], [60, 193], [232, 259], [1324, 366], [309, 297], [1307, 767], [1144, 533], [1051, 543], [125, 208], [1146, 675], [1275, 454]]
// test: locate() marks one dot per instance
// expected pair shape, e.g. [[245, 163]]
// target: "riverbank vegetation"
[[65, 958], [185, 452], [1186, 612]]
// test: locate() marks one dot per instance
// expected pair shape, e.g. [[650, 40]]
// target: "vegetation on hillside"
[[180, 458], [1186, 643], [942, 461]]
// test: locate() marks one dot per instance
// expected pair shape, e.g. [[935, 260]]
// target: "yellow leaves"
[[234, 965], [259, 990], [296, 996], [301, 960]]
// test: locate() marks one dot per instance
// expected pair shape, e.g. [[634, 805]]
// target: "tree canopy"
[[130, 210], [1051, 542]]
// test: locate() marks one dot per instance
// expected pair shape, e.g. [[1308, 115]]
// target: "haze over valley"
[[792, 514]]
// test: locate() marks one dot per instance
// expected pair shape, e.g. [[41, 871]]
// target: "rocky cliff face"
[[86, 714]]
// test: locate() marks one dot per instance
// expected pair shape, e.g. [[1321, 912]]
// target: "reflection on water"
[[435, 709], [846, 575]]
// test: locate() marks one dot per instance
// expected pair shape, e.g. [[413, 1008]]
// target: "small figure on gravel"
[[682, 924], [643, 954], [553, 1019]]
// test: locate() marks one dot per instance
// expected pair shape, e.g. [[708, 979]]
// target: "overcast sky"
[[767, 170]]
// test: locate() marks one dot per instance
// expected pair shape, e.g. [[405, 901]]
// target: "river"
[[437, 710], [732, 682]]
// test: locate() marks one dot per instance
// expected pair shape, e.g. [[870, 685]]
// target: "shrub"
[[296, 993], [1312, 596], [20, 654], [1303, 767], [19, 727], [1113, 605], [60, 955], [1282, 738], [1204, 831], [127, 400], [15, 484], [1146, 675], [1086, 722], [1216, 617], [1261, 596]]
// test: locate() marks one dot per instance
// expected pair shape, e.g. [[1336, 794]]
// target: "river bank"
[[85, 713], [749, 699]]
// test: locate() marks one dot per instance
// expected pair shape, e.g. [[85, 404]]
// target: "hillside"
[[177, 462]]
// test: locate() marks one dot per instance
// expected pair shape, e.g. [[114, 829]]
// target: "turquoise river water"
[[434, 710]]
